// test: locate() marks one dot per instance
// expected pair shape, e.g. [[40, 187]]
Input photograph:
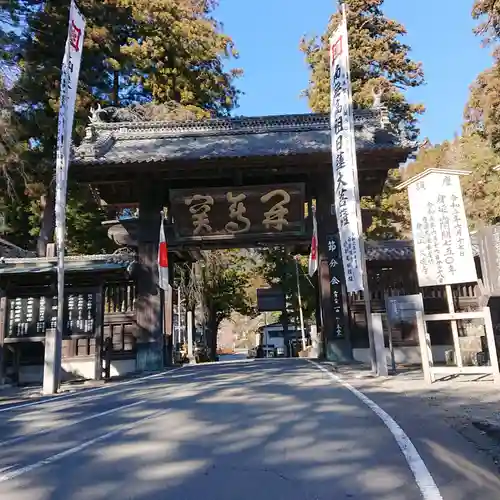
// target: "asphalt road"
[[270, 430]]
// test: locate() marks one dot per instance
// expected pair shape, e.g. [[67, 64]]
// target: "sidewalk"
[[470, 404]]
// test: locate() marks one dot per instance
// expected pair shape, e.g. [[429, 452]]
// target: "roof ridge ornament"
[[95, 114], [377, 94]]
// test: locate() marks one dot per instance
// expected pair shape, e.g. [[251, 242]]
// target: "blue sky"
[[267, 34]]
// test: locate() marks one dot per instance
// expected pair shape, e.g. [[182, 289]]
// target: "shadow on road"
[[267, 430]]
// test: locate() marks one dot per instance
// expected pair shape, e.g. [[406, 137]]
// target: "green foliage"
[[135, 52], [220, 282], [278, 267], [390, 211], [481, 189], [379, 60], [224, 280]]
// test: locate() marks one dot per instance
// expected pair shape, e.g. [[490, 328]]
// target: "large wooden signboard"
[[29, 317], [238, 212], [443, 250]]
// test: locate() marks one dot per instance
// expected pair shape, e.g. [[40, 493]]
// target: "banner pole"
[[69, 82], [366, 288]]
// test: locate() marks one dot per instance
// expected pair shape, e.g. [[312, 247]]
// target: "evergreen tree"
[[278, 267], [135, 51], [221, 285], [379, 60]]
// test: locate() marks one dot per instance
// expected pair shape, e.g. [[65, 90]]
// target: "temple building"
[[200, 174]]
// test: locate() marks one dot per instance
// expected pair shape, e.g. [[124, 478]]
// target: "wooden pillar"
[[335, 348], [149, 300], [98, 326]]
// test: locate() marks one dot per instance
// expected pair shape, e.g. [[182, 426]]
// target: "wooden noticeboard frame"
[[464, 270]]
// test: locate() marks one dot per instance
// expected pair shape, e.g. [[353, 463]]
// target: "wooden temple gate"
[[142, 168]]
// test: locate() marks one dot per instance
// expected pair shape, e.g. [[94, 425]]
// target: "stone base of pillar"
[[339, 351], [149, 357]]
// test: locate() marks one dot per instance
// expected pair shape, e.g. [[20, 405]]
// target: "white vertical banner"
[[344, 162], [69, 84]]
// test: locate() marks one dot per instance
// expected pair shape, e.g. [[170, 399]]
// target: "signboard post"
[[443, 252]]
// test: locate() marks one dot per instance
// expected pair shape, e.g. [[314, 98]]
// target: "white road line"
[[25, 437], [84, 392], [425, 482], [75, 449]]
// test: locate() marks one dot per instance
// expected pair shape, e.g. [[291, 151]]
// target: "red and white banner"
[[313, 256], [69, 83], [344, 159], [162, 259]]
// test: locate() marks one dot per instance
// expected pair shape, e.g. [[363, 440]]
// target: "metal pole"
[[299, 297], [178, 338], [366, 289], [53, 339]]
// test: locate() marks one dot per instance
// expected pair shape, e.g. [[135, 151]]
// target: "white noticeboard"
[[443, 251]]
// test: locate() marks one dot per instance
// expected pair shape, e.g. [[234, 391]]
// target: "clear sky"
[[267, 34]]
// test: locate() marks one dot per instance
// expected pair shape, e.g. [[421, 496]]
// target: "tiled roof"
[[140, 142], [400, 249], [9, 250], [77, 263], [389, 250]]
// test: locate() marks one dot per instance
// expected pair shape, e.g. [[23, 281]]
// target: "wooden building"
[[141, 168]]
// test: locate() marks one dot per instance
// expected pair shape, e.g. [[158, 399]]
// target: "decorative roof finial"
[[95, 114], [377, 97]]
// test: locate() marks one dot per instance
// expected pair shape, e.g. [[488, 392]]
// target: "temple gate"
[[233, 182]]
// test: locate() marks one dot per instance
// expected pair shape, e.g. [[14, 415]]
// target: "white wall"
[[75, 368]]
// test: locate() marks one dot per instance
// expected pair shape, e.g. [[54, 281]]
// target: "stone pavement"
[[470, 404]]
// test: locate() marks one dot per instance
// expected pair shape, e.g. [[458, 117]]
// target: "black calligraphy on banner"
[[336, 281], [344, 160]]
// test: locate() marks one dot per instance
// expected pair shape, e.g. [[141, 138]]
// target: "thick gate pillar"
[[336, 344], [150, 340]]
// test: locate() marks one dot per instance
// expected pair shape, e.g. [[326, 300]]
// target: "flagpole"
[[69, 82], [299, 297], [366, 288]]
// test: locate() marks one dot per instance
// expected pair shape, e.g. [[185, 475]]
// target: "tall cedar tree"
[[221, 285], [379, 60], [481, 188], [125, 61], [482, 111], [478, 148], [277, 266]]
